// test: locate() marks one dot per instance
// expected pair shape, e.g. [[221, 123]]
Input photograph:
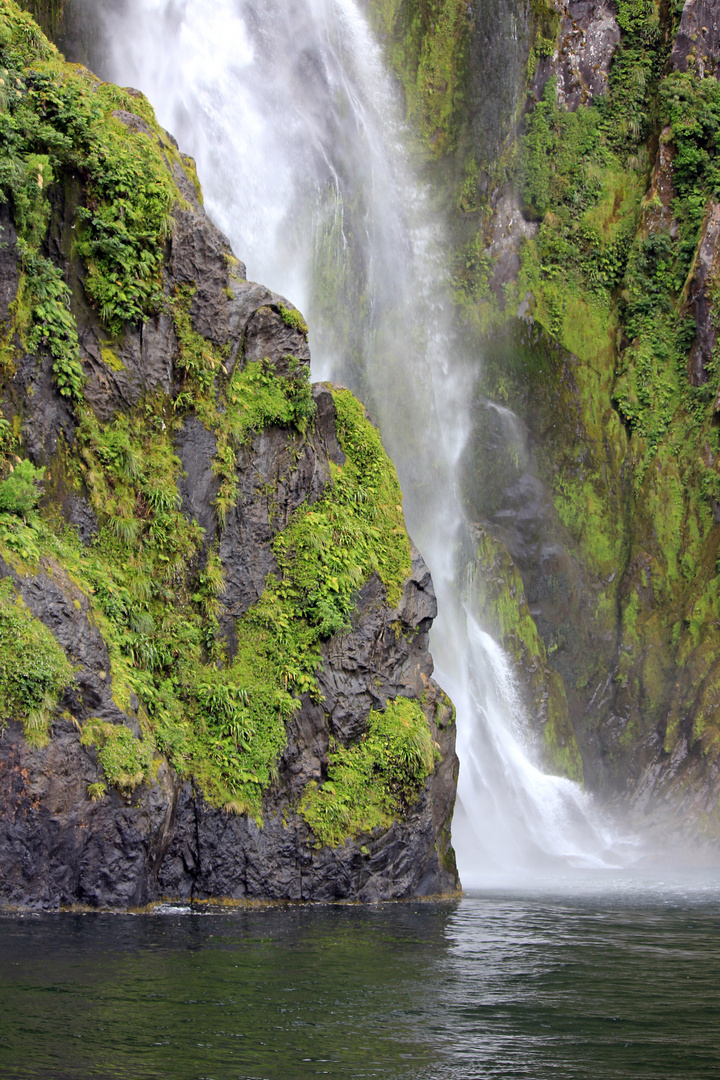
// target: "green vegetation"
[[86, 174], [624, 433], [19, 495], [19, 492], [357, 529], [58, 120], [292, 318], [157, 605], [374, 780], [429, 46], [125, 760], [33, 668]]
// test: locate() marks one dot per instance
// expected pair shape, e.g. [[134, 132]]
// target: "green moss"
[[429, 47], [374, 780], [111, 359], [33, 668], [126, 761], [9, 440], [258, 398], [560, 747], [292, 318], [57, 118]]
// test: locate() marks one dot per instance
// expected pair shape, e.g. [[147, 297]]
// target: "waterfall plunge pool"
[[617, 981]]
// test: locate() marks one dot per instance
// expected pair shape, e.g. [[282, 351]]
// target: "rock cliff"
[[586, 244], [214, 668]]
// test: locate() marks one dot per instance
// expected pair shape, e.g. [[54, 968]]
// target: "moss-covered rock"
[[217, 580], [586, 271]]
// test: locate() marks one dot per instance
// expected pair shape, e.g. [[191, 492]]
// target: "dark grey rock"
[[385, 654], [121, 373], [199, 257], [699, 300], [587, 39], [267, 335], [277, 472], [325, 423], [46, 417], [80, 514], [198, 485], [59, 847], [53, 598], [698, 39]]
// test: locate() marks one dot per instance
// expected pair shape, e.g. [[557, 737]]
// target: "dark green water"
[[506, 986]]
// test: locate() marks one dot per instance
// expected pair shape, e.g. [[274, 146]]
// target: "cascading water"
[[305, 165]]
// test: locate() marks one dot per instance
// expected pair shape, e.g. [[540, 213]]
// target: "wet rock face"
[[509, 229], [589, 34], [700, 306], [698, 40], [9, 275]]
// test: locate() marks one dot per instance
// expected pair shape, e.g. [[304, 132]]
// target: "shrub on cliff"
[[19, 492]]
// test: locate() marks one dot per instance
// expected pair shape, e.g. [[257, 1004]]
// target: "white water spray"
[[304, 162]]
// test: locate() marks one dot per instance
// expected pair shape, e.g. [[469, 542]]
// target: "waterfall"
[[306, 165]]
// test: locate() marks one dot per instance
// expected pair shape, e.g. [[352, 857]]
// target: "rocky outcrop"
[[586, 41], [69, 834], [697, 45], [700, 301], [59, 847]]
